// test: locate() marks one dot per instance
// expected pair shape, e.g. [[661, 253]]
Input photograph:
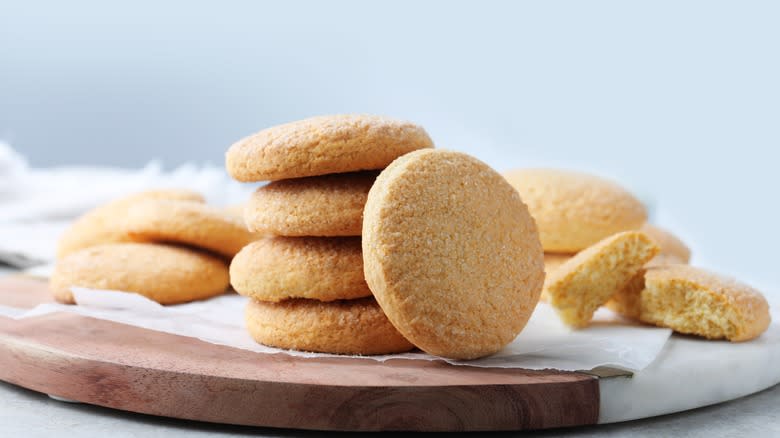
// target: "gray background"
[[678, 100]]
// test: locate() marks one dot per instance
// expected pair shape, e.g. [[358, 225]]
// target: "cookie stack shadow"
[[305, 279]]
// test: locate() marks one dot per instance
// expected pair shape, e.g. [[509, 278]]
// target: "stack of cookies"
[[599, 251], [305, 278], [167, 245]]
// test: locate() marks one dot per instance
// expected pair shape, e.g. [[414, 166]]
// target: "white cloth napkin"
[[37, 204]]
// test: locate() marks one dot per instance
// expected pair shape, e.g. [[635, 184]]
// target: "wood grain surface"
[[134, 369]]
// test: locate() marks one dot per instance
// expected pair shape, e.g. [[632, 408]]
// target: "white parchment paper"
[[544, 343]]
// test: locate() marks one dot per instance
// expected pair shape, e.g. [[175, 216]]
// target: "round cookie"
[[323, 145], [320, 268], [695, 301], [328, 205], [98, 226], [339, 327], [575, 210], [451, 254], [166, 274], [626, 302], [671, 246], [186, 223]]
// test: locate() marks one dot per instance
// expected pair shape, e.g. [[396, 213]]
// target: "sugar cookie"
[[575, 210], [339, 327], [451, 254], [323, 145], [668, 243], [626, 301], [672, 251], [98, 226], [321, 268], [166, 274], [694, 301], [186, 223], [329, 205], [590, 278]]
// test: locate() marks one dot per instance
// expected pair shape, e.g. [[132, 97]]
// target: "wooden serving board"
[[129, 368]]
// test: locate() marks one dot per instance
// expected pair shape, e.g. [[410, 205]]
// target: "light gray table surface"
[[25, 413]]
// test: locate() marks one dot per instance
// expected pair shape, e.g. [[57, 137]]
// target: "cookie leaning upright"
[[451, 254], [574, 210], [323, 145]]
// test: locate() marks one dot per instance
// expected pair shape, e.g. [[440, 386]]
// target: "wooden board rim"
[[77, 357]]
